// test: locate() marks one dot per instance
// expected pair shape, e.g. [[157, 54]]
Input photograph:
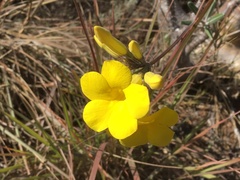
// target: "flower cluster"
[[120, 100]]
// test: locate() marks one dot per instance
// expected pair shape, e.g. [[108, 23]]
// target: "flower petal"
[[117, 74], [136, 139], [96, 114], [121, 124], [137, 100], [106, 41], [94, 86], [134, 48], [166, 116], [159, 135]]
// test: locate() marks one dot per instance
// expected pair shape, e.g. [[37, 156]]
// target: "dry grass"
[[44, 50]]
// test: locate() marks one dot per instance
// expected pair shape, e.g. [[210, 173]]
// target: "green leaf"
[[190, 168], [186, 22], [192, 7], [208, 176], [208, 32], [10, 168], [215, 18], [27, 129], [210, 10]]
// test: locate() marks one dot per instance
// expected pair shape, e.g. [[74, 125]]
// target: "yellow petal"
[[166, 116], [137, 78], [97, 113], [136, 139], [106, 41], [155, 81], [137, 100], [159, 135], [121, 123], [94, 86], [117, 74], [134, 48]]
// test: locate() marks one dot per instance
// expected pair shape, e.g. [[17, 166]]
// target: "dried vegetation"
[[43, 52]]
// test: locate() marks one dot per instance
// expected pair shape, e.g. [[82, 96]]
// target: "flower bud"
[[109, 43], [134, 48], [137, 79], [155, 81]]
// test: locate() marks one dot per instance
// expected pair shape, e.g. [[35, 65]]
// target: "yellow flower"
[[153, 129], [115, 104], [155, 81], [134, 48], [109, 43]]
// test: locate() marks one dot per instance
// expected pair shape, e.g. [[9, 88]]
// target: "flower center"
[[117, 94]]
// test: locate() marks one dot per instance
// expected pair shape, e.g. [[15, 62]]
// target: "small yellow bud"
[[109, 43], [137, 79], [134, 48], [155, 81]]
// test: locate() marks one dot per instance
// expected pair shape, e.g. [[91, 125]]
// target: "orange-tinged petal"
[[134, 48], [159, 135], [153, 129], [155, 81], [166, 116], [136, 139], [95, 86], [153, 133], [106, 41], [96, 114], [117, 74], [121, 124], [137, 100]]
